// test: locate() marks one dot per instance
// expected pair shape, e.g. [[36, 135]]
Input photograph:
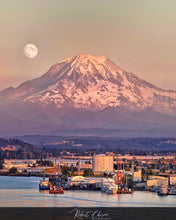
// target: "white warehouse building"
[[102, 162]]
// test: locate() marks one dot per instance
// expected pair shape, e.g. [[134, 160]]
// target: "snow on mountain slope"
[[85, 81]]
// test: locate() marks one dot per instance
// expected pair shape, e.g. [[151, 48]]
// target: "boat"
[[104, 188], [44, 184], [66, 186], [125, 191], [163, 191], [56, 190], [105, 183], [154, 189], [172, 191], [111, 189], [57, 180]]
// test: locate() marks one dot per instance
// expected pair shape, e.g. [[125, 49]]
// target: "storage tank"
[[102, 162]]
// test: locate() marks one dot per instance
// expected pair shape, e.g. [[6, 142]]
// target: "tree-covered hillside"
[[16, 149]]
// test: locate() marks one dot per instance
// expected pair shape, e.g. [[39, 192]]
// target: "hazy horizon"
[[138, 36]]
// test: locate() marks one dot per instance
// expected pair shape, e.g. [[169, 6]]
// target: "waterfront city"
[[97, 180]]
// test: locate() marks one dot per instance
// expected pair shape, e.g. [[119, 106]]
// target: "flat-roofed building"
[[137, 175], [157, 181], [172, 179]]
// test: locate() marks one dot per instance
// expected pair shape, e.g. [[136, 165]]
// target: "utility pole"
[[119, 179], [41, 159], [78, 165]]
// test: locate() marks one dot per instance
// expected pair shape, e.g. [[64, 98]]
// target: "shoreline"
[[23, 174]]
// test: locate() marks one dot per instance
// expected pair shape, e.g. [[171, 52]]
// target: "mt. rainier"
[[76, 91]]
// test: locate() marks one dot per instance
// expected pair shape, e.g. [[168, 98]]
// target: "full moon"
[[30, 51]]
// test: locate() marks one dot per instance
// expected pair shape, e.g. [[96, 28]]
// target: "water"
[[23, 192]]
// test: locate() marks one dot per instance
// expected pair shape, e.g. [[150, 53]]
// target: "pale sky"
[[138, 35]]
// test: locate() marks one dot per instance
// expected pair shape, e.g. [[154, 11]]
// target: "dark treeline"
[[136, 146], [16, 142], [21, 149], [58, 146], [143, 143]]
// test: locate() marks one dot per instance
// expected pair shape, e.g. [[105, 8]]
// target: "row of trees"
[[1, 163], [45, 163], [72, 171]]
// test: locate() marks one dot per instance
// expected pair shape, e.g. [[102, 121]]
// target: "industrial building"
[[157, 181], [103, 163], [137, 175], [88, 182], [172, 179]]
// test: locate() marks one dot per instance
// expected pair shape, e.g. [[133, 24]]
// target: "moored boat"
[[154, 189], [172, 191], [163, 191], [111, 189], [105, 183], [44, 184], [56, 190], [126, 191]]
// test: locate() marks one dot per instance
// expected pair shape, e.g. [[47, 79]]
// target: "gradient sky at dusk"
[[139, 36]]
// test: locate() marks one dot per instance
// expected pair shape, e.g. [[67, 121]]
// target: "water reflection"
[[23, 192]]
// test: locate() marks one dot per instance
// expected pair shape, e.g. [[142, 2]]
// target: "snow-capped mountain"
[[85, 81], [78, 90]]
